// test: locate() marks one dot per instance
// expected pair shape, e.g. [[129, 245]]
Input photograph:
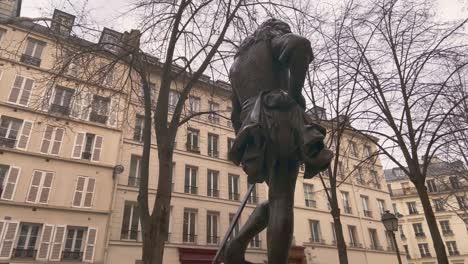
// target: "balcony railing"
[[189, 238], [133, 181], [439, 209], [348, 209], [391, 248], [212, 240], [86, 155], [213, 193], [234, 196], [192, 148], [376, 247], [355, 245], [7, 142], [420, 235], [213, 154], [98, 118], [130, 235], [190, 189], [426, 255], [447, 232], [413, 212], [367, 213], [24, 253], [31, 60], [311, 203], [72, 255], [316, 240], [59, 109], [454, 253], [252, 199]]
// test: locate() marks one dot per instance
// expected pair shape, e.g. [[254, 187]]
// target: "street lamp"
[[390, 222]]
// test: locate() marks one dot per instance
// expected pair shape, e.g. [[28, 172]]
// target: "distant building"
[[10, 8], [447, 187], [64, 200]]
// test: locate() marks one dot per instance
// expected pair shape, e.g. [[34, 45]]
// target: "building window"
[[381, 205], [212, 186], [61, 101], [461, 202], [424, 250], [173, 100], [454, 182], [139, 127], [192, 140], [439, 205], [431, 185], [99, 109], [33, 52], [84, 192], [341, 169], [233, 187], [353, 148], [14, 132], [26, 245], [73, 249], [229, 111], [256, 242], [81, 105], [452, 248], [345, 200], [390, 242], [375, 179], [194, 103], [359, 176], [365, 206], [333, 233], [408, 256], [135, 171], [315, 235], [87, 146], [52, 140], [130, 222], [230, 142], [353, 238], [189, 232], [412, 208], [213, 145], [418, 230], [374, 239], [214, 111], [191, 180], [309, 195], [253, 197], [445, 225], [40, 187], [212, 228], [367, 151], [402, 234]]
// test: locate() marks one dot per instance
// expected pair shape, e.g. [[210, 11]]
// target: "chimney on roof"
[[10, 8], [131, 40], [62, 22]]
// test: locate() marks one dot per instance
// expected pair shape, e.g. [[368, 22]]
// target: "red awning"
[[196, 255]]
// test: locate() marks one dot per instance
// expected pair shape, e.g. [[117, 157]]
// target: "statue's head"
[[266, 31]]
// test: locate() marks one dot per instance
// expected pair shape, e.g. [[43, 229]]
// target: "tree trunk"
[[438, 243], [340, 242]]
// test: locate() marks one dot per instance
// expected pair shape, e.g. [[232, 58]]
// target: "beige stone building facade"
[[64, 136], [447, 187]]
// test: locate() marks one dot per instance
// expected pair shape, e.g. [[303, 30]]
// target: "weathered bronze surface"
[[273, 133]]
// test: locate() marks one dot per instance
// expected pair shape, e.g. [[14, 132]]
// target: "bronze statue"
[[273, 133]]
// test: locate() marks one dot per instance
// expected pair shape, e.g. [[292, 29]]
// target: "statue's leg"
[[235, 249], [281, 211]]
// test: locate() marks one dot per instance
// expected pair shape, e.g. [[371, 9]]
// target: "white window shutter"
[[34, 188], [2, 228], [78, 147], [57, 243], [113, 113], [10, 183], [7, 244], [16, 89], [56, 145], [78, 197], [44, 245], [90, 245], [46, 187], [97, 148], [88, 199], [46, 139], [25, 135]]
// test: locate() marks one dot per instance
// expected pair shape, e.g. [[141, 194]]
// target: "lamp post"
[[390, 222]]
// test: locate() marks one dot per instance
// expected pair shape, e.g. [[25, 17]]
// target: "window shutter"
[[77, 149], [86, 105], [34, 188], [26, 94], [97, 148], [10, 183], [90, 245], [57, 243], [46, 186], [57, 141], [25, 135], [6, 247], [2, 227], [88, 200], [46, 239], [113, 111], [16, 89], [77, 106], [48, 95], [80, 183], [46, 140]]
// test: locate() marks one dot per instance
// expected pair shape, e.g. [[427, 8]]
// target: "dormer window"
[[111, 40], [62, 22]]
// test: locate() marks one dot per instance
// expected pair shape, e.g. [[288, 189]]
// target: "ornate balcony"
[[212, 240], [24, 253], [7, 142], [59, 109], [98, 118], [191, 189], [72, 255], [31, 60]]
